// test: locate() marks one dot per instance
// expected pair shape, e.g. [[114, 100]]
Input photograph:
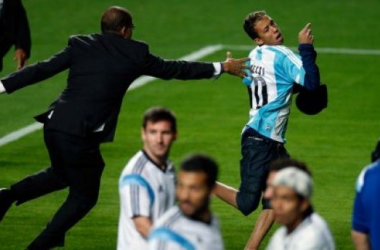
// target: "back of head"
[[250, 21], [203, 164], [114, 19]]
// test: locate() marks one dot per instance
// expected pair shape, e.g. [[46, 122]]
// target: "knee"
[[247, 203], [86, 204]]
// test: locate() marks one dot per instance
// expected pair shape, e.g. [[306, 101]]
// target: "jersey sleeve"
[[136, 196], [359, 219]]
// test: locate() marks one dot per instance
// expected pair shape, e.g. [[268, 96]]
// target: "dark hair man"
[[101, 68], [190, 225], [147, 183], [275, 69]]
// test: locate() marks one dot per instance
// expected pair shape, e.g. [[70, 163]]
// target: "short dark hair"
[[280, 164], [201, 163], [114, 19], [250, 21], [157, 114]]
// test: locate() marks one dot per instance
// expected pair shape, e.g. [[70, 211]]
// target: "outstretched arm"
[[184, 70]]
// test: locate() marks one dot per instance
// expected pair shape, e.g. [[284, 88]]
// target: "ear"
[[175, 134], [259, 41], [126, 32], [305, 205]]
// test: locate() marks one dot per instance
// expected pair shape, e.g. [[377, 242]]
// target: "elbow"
[[312, 84]]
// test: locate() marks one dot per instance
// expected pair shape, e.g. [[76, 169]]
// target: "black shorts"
[[257, 152]]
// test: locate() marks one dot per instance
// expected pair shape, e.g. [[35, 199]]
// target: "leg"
[[226, 193], [37, 185], [81, 163], [262, 226], [34, 186], [256, 154], [83, 195], [265, 221]]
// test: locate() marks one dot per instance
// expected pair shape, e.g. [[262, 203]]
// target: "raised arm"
[[308, 57]]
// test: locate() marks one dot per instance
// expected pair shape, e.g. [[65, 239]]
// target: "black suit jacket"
[[14, 28], [101, 68]]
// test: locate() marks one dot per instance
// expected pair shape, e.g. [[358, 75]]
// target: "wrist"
[[224, 67]]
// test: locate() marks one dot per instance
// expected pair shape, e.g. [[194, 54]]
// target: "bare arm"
[[361, 240], [143, 225]]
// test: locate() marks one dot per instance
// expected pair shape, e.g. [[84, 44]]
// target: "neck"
[[158, 161], [291, 227], [204, 216]]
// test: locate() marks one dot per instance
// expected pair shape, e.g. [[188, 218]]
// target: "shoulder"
[[82, 38], [317, 233], [280, 49], [277, 238], [169, 218], [136, 164], [373, 168]]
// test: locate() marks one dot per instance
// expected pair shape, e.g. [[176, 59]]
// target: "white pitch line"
[[196, 55], [20, 133], [344, 51]]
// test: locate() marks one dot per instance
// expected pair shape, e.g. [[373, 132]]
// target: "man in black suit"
[[14, 30], [101, 68]]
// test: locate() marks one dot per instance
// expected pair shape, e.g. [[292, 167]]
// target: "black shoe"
[[6, 201]]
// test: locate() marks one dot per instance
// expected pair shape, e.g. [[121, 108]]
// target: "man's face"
[[158, 138], [268, 31], [193, 193], [288, 208], [268, 194]]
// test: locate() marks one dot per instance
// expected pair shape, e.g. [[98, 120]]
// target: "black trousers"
[[76, 163], [257, 153]]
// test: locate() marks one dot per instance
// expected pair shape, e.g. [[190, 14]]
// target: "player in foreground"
[[274, 71], [101, 69], [147, 183], [302, 228], [190, 225], [315, 231]]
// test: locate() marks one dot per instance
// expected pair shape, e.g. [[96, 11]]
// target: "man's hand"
[[20, 57], [235, 66], [305, 35]]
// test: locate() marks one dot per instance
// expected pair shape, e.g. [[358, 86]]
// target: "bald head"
[[114, 19]]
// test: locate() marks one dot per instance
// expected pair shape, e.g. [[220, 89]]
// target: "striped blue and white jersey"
[[175, 231], [274, 70], [145, 190]]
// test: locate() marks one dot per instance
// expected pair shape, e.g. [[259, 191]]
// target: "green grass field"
[[336, 144]]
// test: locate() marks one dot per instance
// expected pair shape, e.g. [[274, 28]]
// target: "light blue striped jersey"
[[274, 70]]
